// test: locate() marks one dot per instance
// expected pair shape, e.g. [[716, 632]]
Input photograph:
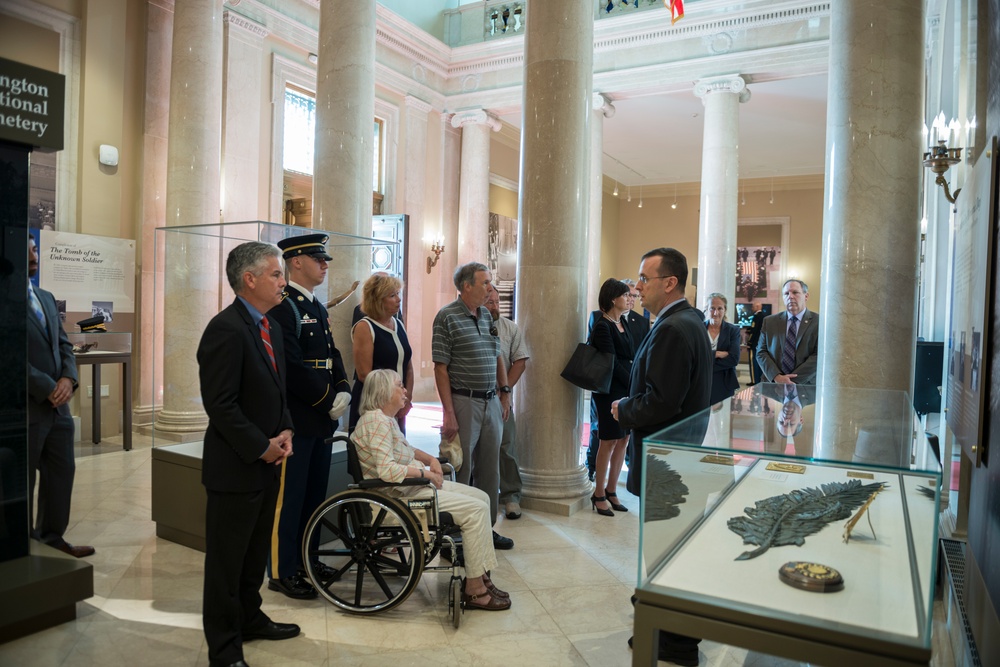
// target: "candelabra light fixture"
[[437, 247], [939, 158]]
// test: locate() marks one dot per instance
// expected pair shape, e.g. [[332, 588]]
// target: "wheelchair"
[[365, 551]]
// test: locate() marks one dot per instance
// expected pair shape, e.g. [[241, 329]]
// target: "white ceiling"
[[657, 139]]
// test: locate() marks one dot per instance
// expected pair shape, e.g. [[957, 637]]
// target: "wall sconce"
[[437, 247], [939, 159]]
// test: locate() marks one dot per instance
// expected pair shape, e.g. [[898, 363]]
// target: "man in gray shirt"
[[515, 358], [471, 381]]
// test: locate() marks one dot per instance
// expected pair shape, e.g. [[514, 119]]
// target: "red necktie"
[[265, 335]]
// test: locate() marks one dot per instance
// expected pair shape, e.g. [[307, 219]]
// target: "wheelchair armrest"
[[380, 484], [337, 438], [447, 468]]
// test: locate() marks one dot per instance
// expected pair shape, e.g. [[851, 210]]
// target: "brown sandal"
[[491, 587], [495, 603]]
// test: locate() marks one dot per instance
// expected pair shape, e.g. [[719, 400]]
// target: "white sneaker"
[[513, 509]]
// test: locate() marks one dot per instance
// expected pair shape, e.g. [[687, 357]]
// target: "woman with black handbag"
[[611, 335]]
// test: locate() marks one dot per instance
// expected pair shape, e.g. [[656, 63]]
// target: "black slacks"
[[237, 534]]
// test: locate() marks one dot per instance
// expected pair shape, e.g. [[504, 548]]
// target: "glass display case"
[[191, 287], [796, 522]]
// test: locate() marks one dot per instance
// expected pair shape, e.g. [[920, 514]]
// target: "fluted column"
[[345, 116], [602, 108], [871, 221], [192, 267], [552, 248], [242, 77], [147, 349], [720, 162], [474, 184]]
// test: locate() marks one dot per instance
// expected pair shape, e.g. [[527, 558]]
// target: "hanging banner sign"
[[32, 105]]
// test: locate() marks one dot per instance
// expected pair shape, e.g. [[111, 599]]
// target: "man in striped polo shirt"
[[471, 380]]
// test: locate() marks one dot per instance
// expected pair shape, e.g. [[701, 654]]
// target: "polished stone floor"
[[569, 577]]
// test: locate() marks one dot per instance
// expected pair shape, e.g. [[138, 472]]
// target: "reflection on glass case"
[[118, 342], [800, 512], [191, 287]]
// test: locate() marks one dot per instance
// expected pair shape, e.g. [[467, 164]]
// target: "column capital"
[[729, 83], [232, 19], [601, 102], [417, 104], [475, 117]]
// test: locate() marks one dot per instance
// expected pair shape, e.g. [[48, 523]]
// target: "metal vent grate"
[[954, 560]]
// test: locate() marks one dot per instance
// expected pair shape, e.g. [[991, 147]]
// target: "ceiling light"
[[772, 191], [674, 205], [640, 196], [628, 190], [615, 193]]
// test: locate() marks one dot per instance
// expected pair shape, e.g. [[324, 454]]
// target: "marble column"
[[474, 184], [720, 163], [601, 108], [241, 137], [344, 154], [552, 249], [871, 221], [147, 349], [194, 286], [421, 224]]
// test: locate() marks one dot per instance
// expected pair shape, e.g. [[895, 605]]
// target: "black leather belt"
[[471, 393]]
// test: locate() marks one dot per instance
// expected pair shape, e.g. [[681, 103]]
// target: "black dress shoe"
[[217, 663], [273, 631], [324, 572], [77, 552], [294, 587], [501, 542]]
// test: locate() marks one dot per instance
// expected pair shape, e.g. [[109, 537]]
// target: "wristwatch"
[[505, 389]]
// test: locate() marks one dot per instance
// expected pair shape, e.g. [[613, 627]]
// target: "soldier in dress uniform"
[[318, 394]]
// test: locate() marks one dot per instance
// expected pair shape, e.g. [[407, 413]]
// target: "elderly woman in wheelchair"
[[383, 453]]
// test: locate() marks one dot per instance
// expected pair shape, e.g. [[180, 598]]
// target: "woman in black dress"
[[611, 335], [380, 341]]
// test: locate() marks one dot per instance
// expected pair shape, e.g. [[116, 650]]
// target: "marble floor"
[[569, 577]]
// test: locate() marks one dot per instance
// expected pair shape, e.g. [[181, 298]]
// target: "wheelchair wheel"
[[363, 551], [455, 601]]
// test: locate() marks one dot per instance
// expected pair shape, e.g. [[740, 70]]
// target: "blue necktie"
[[788, 355], [36, 305]]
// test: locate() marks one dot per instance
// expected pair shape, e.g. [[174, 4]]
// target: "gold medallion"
[[814, 577]]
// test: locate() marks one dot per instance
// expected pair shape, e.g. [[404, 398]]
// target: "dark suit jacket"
[[724, 382], [755, 327], [638, 326], [50, 357], [244, 399], [310, 390], [671, 380], [772, 344]]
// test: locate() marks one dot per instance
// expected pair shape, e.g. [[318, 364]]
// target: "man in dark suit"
[[52, 379], [637, 324], [671, 380], [318, 394], [756, 325], [788, 348], [241, 362]]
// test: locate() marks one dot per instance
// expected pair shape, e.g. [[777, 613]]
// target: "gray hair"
[[716, 295], [377, 390], [805, 288], [466, 274], [629, 282], [250, 256]]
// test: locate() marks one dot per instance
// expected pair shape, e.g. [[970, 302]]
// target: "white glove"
[[340, 404]]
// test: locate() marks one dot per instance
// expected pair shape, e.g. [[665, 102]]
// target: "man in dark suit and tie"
[[52, 379], [788, 348], [671, 380], [318, 394], [756, 324], [241, 364]]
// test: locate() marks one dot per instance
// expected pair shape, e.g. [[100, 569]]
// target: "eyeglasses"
[[645, 279]]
